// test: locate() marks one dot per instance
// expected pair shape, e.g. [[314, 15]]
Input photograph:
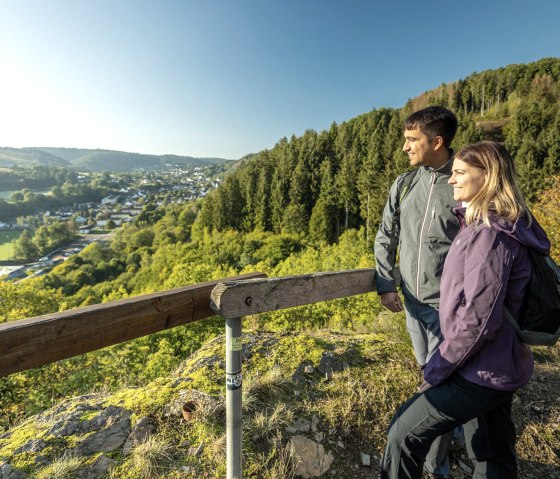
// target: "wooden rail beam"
[[232, 299], [37, 341]]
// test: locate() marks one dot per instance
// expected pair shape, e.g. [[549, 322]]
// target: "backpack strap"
[[402, 189]]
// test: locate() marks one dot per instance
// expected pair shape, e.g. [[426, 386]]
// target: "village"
[[97, 221]]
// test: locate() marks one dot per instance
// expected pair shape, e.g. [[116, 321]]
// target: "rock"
[[330, 364], [41, 460], [111, 437], [310, 457], [7, 471], [142, 430], [71, 422], [35, 445], [320, 436], [98, 469], [301, 374], [301, 425], [314, 423], [366, 459], [180, 381]]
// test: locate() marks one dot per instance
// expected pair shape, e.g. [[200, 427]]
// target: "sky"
[[224, 78]]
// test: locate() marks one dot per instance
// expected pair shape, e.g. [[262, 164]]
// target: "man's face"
[[418, 147]]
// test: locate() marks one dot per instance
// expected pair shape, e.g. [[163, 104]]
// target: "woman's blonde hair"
[[500, 193]]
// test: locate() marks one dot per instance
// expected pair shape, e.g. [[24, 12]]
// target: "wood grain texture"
[[33, 342], [252, 296]]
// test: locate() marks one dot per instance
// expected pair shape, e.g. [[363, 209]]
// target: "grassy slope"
[[352, 407]]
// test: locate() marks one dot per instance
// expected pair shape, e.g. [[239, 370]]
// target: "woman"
[[471, 378]]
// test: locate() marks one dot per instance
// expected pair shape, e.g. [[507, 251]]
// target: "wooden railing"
[[41, 340], [33, 342]]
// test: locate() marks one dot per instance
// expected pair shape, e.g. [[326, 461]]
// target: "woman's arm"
[[473, 310]]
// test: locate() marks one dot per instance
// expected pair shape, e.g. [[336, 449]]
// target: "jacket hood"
[[533, 236]]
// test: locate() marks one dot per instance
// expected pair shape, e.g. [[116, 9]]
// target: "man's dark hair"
[[434, 121]]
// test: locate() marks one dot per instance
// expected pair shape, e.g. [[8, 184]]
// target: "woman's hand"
[[424, 387]]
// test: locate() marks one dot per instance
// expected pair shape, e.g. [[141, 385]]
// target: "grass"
[[6, 237], [346, 412], [63, 468], [152, 458]]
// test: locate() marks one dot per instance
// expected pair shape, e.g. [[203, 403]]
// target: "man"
[[426, 229]]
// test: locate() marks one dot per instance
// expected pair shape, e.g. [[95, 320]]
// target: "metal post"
[[233, 398]]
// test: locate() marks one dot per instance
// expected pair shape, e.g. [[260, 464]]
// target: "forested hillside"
[[311, 203], [325, 182]]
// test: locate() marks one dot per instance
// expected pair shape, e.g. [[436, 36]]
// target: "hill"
[[29, 157], [96, 160], [322, 183], [315, 404]]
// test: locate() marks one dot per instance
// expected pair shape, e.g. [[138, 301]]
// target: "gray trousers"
[[422, 322], [489, 430]]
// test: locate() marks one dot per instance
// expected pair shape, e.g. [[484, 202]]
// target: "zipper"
[[433, 181], [433, 217]]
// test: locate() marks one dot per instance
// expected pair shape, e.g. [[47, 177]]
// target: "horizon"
[[218, 80]]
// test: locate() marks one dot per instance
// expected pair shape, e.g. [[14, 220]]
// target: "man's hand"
[[391, 301]]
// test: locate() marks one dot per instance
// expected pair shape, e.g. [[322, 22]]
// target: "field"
[[6, 236]]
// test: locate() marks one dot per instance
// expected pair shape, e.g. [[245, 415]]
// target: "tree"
[[295, 220], [24, 248], [16, 196]]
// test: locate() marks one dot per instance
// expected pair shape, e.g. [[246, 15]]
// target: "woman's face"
[[467, 180]]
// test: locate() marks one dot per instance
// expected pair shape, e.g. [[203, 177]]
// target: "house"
[[109, 200], [86, 229]]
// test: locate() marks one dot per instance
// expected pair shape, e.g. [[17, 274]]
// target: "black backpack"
[[539, 319]]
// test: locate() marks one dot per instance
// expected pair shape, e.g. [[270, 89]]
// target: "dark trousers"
[[488, 426], [422, 322]]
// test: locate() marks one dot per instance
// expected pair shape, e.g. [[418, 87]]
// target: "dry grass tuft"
[[152, 458], [62, 468]]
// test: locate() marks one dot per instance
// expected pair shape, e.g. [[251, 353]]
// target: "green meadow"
[[6, 237]]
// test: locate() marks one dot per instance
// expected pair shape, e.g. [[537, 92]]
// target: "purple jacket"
[[485, 270]]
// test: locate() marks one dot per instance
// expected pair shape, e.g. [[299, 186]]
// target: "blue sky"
[[223, 78]]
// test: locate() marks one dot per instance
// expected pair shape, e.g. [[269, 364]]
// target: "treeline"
[[33, 244], [37, 177], [321, 184], [26, 202]]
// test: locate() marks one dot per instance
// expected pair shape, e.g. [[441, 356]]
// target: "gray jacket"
[[427, 228]]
